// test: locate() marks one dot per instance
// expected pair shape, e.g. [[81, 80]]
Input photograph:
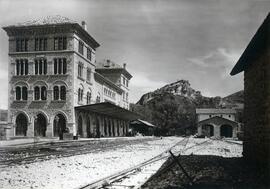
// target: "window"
[[56, 93], [40, 66], [88, 77], [80, 95], [21, 45], [40, 93], [81, 47], [18, 93], [62, 93], [59, 93], [98, 98], [210, 115], [24, 93], [21, 67], [60, 43], [60, 66], [40, 44], [126, 96], [80, 70], [89, 54], [21, 93], [88, 97]]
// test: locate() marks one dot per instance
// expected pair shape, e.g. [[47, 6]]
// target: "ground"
[[75, 164]]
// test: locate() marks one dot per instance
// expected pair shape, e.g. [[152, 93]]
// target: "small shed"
[[143, 127]]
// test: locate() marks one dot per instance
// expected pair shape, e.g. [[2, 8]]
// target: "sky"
[[161, 41]]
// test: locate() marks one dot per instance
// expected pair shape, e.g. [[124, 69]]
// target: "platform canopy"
[[109, 109]]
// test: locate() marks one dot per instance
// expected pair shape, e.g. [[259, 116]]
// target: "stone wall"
[[256, 146]]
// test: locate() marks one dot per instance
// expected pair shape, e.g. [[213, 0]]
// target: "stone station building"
[[217, 122], [53, 74]]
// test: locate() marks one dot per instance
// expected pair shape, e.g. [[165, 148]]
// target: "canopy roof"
[[109, 109]]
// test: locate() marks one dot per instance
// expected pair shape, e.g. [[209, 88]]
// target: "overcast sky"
[[160, 40]]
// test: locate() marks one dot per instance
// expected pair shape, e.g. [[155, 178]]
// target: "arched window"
[[24, 93], [43, 93], [37, 93], [80, 95], [18, 93], [88, 97], [40, 93], [63, 93], [55, 92]]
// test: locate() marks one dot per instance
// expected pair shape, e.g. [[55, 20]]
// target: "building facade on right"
[[255, 62]]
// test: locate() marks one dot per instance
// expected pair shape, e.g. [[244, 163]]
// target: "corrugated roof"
[[255, 48], [215, 111]]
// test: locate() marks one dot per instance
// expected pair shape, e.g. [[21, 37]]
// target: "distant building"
[[255, 62], [143, 127], [217, 122], [55, 84], [3, 124]]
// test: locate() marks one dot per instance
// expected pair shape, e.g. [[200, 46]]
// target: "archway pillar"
[[49, 130], [234, 133], [199, 130], [216, 130], [30, 128]]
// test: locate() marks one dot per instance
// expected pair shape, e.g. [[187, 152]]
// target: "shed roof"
[[255, 48], [109, 109], [215, 111], [217, 120], [143, 122]]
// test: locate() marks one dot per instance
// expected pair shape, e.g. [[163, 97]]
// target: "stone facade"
[[48, 115], [257, 110], [255, 62]]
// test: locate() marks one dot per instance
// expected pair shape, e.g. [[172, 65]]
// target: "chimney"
[[84, 26], [124, 65]]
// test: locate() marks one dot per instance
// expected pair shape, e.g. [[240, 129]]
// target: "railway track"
[[50, 151], [117, 180]]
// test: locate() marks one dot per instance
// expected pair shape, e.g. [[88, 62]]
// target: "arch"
[[21, 124], [98, 98], [40, 125], [226, 131], [40, 83], [88, 127], [21, 83], [208, 130], [80, 126], [59, 125], [59, 82]]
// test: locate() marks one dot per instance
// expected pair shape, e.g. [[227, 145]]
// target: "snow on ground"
[[79, 170]]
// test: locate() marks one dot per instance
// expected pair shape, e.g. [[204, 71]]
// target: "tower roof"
[[49, 20], [53, 22]]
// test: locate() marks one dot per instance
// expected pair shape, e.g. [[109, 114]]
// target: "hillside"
[[173, 106]]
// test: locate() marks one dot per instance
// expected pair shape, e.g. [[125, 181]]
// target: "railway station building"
[[217, 122], [56, 86]]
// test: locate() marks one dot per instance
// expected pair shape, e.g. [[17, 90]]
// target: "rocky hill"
[[173, 106]]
